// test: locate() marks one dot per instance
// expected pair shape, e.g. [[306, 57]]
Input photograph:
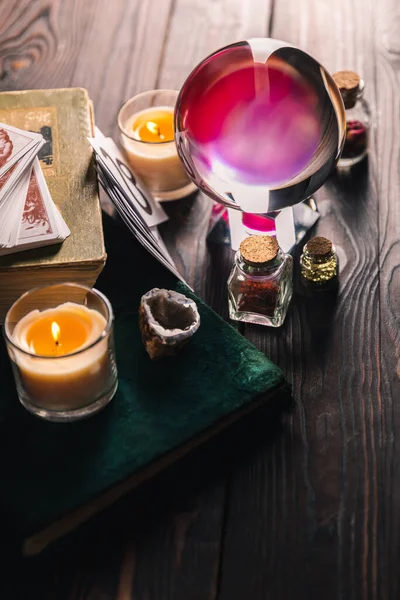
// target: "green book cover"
[[54, 476]]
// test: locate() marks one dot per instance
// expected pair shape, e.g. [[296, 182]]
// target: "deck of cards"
[[28, 216], [135, 205]]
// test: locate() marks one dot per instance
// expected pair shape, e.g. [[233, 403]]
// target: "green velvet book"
[[55, 476]]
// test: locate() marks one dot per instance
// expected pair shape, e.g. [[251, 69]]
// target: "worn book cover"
[[55, 476], [65, 119]]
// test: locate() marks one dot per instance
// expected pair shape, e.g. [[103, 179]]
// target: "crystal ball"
[[259, 125]]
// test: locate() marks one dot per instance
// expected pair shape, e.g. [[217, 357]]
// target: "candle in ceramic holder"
[[60, 342], [146, 124]]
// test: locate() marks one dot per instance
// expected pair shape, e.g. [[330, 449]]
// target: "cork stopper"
[[318, 247], [350, 85], [347, 80], [257, 250]]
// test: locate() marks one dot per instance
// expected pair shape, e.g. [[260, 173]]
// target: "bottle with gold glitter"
[[319, 264]]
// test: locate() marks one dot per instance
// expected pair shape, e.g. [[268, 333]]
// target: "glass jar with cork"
[[260, 284], [319, 264], [358, 118]]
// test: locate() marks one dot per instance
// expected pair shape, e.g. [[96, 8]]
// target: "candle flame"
[[55, 331], [153, 127]]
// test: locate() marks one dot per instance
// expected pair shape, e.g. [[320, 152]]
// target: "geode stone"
[[167, 320]]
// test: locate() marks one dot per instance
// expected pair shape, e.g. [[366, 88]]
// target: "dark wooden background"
[[308, 508]]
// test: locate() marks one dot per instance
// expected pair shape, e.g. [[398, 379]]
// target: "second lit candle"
[[146, 124]]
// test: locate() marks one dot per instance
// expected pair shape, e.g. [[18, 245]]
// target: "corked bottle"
[[260, 284], [319, 264], [351, 87]]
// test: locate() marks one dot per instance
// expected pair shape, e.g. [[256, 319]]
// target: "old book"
[[65, 119], [55, 476]]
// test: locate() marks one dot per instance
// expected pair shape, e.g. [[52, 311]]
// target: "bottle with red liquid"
[[358, 124], [260, 284]]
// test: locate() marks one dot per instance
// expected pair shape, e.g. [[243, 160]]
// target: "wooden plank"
[[388, 185], [29, 43], [198, 28], [303, 516], [171, 550], [121, 54], [185, 552], [111, 48]]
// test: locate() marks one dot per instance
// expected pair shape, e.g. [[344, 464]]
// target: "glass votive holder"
[[146, 124], [60, 342]]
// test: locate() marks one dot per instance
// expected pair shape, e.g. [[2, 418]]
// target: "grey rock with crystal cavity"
[[167, 320]]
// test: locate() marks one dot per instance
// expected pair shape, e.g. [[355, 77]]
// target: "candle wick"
[[154, 128]]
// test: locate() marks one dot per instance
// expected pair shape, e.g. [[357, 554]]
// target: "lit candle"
[[146, 123], [67, 333], [154, 125]]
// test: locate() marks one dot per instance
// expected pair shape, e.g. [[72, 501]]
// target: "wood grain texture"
[[199, 28], [310, 510], [113, 49], [188, 565], [28, 40], [195, 30], [387, 136], [170, 547], [315, 503]]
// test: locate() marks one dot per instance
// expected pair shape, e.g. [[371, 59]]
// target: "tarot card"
[[6, 176], [14, 143], [39, 221], [145, 235], [10, 179], [63, 229], [134, 204], [10, 215], [112, 160]]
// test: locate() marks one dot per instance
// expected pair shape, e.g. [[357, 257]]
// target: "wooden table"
[[310, 509]]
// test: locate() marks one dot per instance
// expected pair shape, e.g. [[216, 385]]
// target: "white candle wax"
[[61, 381], [156, 164]]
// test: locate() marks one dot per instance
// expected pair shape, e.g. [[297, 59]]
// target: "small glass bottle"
[[358, 118], [319, 264], [260, 284]]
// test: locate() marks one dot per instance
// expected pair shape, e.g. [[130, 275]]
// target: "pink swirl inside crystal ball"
[[257, 123]]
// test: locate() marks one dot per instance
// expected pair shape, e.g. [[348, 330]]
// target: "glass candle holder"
[[60, 342], [146, 124]]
